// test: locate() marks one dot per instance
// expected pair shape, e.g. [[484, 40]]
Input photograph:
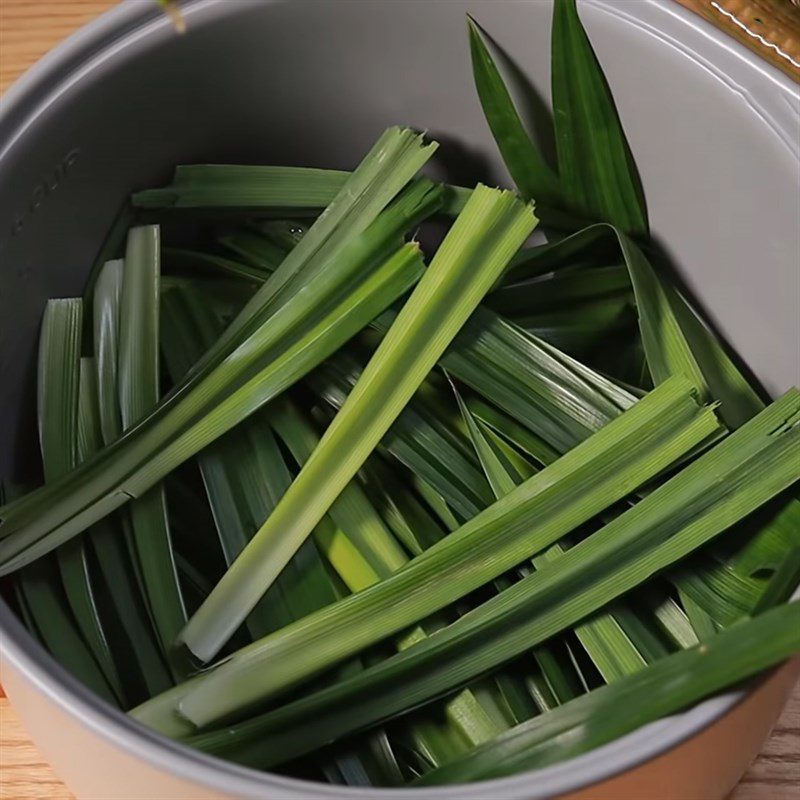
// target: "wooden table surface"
[[28, 29]]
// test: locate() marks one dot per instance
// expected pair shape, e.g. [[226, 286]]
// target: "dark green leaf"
[[612, 711], [594, 162], [533, 177]]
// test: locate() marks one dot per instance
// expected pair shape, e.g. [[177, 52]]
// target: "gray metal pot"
[[313, 82]]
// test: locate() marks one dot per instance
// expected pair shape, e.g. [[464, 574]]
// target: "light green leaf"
[[671, 522], [476, 250], [622, 455]]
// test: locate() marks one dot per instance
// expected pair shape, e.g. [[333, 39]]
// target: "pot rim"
[[108, 37]]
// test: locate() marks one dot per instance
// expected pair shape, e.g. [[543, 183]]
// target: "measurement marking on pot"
[[47, 184]]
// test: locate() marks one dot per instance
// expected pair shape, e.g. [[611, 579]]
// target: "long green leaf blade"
[[664, 688], [283, 191], [483, 239], [106, 313], [677, 342], [39, 585], [73, 556], [594, 161], [580, 484], [668, 352], [604, 639], [530, 172], [230, 467], [393, 160], [739, 401], [355, 516], [122, 586], [138, 380], [219, 186], [416, 439], [352, 511], [700, 502], [505, 473], [59, 382]]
